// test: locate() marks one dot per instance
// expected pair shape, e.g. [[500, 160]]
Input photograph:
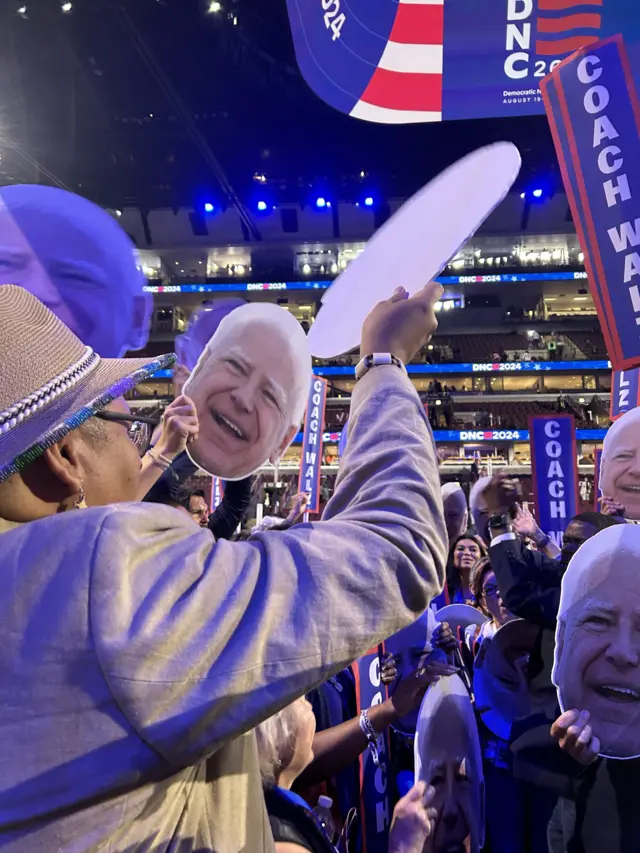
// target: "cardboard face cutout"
[[620, 464], [250, 389], [409, 648], [77, 260], [500, 676], [597, 655], [456, 514], [447, 756]]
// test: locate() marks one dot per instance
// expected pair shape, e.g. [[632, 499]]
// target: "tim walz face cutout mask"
[[250, 388], [74, 257]]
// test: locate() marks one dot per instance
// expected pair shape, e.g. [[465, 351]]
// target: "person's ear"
[[65, 462], [274, 458]]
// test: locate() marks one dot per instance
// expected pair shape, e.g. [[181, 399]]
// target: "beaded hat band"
[[50, 383]]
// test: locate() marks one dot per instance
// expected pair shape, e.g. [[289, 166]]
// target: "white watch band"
[[377, 359]]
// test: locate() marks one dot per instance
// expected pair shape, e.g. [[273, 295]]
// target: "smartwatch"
[[377, 359], [499, 522]]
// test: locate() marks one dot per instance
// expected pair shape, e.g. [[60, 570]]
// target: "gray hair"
[[289, 335], [276, 738], [630, 417]]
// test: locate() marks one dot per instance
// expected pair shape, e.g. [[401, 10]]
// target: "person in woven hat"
[[78, 261], [137, 654]]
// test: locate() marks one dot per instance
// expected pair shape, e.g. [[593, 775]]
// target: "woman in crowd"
[[464, 553], [486, 597], [285, 748]]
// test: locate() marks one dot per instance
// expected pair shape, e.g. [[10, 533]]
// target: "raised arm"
[[202, 641]]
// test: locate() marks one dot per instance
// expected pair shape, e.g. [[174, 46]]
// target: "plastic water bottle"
[[322, 812]]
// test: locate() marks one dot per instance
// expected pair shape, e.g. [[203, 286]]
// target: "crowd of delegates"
[[167, 684]]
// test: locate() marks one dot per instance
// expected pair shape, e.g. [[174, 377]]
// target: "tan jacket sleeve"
[[201, 641]]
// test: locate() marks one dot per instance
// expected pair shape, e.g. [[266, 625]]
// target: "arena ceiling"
[[163, 103]]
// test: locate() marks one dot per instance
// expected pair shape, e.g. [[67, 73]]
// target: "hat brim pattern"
[[111, 379]]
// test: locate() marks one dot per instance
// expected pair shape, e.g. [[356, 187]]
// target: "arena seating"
[[591, 344]]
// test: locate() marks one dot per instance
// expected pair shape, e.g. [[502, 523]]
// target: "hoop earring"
[[77, 502]]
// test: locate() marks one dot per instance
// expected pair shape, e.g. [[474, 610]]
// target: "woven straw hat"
[[50, 382]]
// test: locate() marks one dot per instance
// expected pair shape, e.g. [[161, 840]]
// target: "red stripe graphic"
[[417, 24], [397, 90], [555, 5], [569, 22], [568, 45]]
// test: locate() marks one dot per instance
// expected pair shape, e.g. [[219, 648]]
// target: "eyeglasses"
[[140, 429]]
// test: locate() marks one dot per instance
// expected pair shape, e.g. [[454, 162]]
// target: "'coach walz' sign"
[[554, 467], [594, 116], [625, 392], [311, 458]]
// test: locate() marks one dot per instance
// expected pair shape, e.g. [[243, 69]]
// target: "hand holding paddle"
[[401, 325]]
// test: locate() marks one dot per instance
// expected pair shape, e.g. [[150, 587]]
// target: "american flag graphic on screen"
[[406, 85], [385, 58], [402, 61]]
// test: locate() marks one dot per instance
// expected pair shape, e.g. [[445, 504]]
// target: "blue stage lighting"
[[537, 193], [368, 202], [262, 205], [208, 207], [321, 202]]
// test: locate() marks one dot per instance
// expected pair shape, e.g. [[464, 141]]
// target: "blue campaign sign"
[[312, 439], [554, 468], [595, 120], [217, 492], [398, 61], [625, 392], [375, 769]]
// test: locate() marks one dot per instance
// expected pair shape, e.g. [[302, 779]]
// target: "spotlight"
[[537, 193], [321, 202], [67, 7], [522, 195], [214, 7], [118, 213], [368, 202], [334, 268], [208, 207], [581, 257], [22, 11], [306, 269], [262, 205]]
